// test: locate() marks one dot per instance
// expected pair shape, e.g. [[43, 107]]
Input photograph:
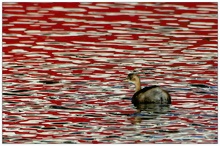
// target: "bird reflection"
[[148, 112]]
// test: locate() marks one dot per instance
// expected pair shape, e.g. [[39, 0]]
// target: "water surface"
[[64, 65]]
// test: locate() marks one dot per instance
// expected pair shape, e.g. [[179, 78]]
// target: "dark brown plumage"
[[151, 94]]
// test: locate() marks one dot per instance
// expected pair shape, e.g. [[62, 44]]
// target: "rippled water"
[[64, 65]]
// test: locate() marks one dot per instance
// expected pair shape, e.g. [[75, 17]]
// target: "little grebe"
[[152, 94]]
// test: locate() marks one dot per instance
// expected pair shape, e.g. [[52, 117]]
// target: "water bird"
[[147, 95]]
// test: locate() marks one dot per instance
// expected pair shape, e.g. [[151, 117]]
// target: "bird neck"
[[137, 86]]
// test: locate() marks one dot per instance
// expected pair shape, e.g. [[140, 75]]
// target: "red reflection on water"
[[64, 54]]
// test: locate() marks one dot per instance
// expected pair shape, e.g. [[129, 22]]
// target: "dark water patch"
[[21, 139], [167, 27], [75, 68], [52, 118], [92, 115], [149, 68], [17, 66], [16, 94], [87, 138], [47, 141], [62, 107], [119, 114], [35, 127], [8, 94], [147, 136], [138, 134], [52, 90], [140, 29], [169, 131], [77, 126], [126, 98], [49, 128], [48, 82], [14, 120], [58, 107], [112, 136], [148, 117], [71, 88], [12, 102], [19, 75], [199, 85], [13, 117], [212, 99], [194, 124], [76, 132], [80, 56], [161, 112], [20, 91], [83, 123], [53, 97], [82, 83], [69, 142], [5, 138]]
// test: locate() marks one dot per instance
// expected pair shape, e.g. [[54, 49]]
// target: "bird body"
[[151, 94]]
